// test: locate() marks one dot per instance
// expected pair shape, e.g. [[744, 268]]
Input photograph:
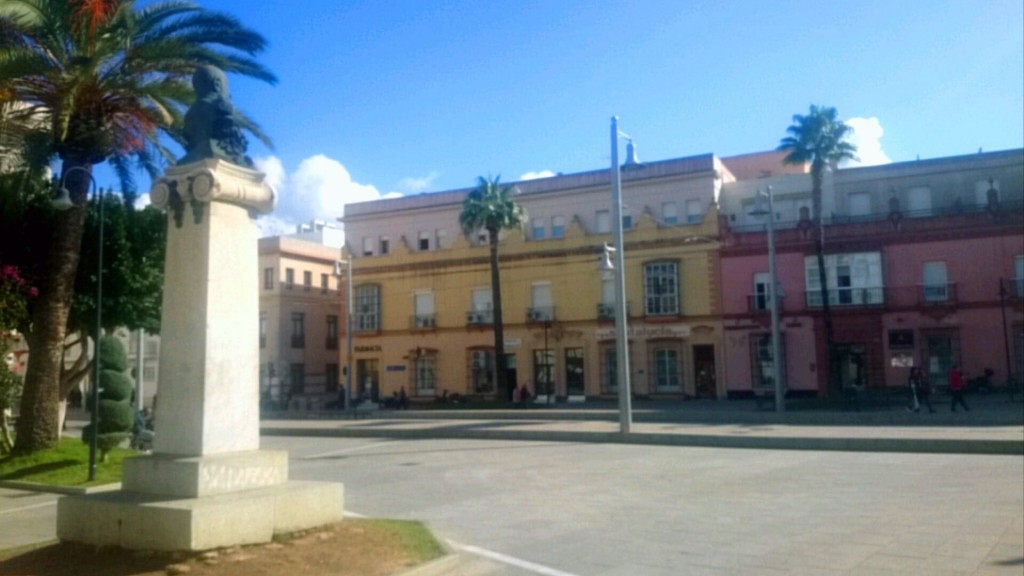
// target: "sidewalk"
[[993, 426]]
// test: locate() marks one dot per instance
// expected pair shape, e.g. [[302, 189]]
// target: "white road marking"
[[30, 507], [345, 451], [512, 561]]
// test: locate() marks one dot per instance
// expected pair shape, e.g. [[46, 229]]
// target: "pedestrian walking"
[[914, 388], [956, 389]]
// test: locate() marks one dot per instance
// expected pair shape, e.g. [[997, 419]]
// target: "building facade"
[[925, 267], [300, 319], [424, 311]]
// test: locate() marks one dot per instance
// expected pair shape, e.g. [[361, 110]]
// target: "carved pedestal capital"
[[213, 180]]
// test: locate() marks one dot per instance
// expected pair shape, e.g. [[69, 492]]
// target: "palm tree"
[[109, 80], [490, 207], [819, 138]]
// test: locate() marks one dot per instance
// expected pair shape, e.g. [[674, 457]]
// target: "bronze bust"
[[213, 128]]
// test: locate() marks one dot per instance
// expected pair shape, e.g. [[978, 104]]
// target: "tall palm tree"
[[109, 80], [819, 138], [490, 207]]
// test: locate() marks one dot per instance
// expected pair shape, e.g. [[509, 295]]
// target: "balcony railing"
[[480, 317], [848, 297], [540, 314], [936, 294], [606, 311], [423, 322], [760, 302]]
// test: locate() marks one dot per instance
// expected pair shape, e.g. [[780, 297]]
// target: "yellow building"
[[423, 316]]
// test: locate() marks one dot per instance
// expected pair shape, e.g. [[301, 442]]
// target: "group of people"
[[521, 396], [921, 390]]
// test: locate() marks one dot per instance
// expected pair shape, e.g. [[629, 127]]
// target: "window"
[[482, 308], [307, 280], [1019, 274], [439, 239], [919, 202], [426, 375], [854, 279], [982, 195], [604, 222], [667, 370], [934, 282], [627, 221], [543, 372], [542, 306], [332, 332], [331, 377], [762, 362], [694, 212], [424, 243], [669, 213], [263, 329], [762, 286], [289, 278], [367, 308], [298, 330], [268, 278], [558, 227], [367, 246], [537, 225], [324, 283], [423, 306], [385, 245], [298, 378], [661, 289], [860, 204], [481, 368]]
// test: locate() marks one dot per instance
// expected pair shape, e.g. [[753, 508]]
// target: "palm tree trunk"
[[38, 427], [817, 177], [499, 325]]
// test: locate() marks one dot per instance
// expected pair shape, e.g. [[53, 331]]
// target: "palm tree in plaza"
[[489, 206], [111, 82], [819, 138]]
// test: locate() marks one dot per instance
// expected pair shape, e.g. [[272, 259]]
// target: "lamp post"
[[1004, 293], [349, 308], [63, 202], [621, 345], [773, 300]]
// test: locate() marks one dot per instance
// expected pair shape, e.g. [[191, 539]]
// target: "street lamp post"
[[773, 300], [349, 308], [621, 345], [63, 202]]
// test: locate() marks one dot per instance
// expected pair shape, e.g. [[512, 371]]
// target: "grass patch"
[[419, 542], [65, 465]]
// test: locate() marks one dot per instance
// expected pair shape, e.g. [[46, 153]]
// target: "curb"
[[438, 566], [909, 445], [66, 490]]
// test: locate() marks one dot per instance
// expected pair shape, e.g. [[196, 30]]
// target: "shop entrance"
[[367, 384], [704, 371]]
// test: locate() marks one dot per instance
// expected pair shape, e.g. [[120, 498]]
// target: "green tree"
[[116, 414], [490, 207], [819, 138], [15, 291], [106, 80]]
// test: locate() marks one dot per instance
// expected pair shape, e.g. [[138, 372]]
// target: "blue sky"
[[408, 96]]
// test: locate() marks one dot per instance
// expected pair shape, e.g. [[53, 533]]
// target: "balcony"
[[758, 303], [606, 311], [848, 297], [423, 322], [480, 317], [936, 294], [540, 315]]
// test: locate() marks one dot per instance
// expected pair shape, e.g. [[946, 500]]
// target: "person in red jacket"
[[956, 389]]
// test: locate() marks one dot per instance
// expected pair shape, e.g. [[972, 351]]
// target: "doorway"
[[941, 351], [574, 384], [367, 384], [851, 361], [705, 382]]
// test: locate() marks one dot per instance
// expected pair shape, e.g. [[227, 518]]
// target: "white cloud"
[[412, 185], [536, 175], [866, 136], [318, 189]]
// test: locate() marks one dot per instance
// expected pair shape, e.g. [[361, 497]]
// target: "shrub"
[[116, 414]]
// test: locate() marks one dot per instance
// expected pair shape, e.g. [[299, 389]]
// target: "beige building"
[[299, 325], [423, 305]]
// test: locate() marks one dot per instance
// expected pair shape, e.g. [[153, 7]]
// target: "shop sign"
[[648, 332]]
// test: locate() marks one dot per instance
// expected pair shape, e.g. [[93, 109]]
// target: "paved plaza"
[[529, 505]]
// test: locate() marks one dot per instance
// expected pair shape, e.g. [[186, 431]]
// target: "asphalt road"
[[559, 509]]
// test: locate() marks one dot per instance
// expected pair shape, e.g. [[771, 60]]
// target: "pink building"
[[924, 260]]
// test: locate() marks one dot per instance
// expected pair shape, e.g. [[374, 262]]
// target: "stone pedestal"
[[207, 484]]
